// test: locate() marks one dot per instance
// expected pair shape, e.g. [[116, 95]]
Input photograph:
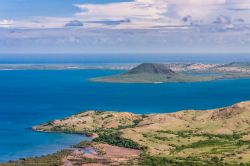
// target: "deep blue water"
[[28, 98]]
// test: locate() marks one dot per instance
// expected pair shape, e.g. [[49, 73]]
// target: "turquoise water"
[[28, 98]]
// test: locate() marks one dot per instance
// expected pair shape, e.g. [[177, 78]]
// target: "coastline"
[[76, 133], [70, 101], [168, 73], [132, 133], [49, 66]]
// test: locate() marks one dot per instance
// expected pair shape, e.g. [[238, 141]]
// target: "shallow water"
[[29, 98]]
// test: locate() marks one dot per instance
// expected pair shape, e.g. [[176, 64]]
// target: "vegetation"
[[154, 68], [220, 136], [82, 144], [116, 139], [55, 159], [70, 130], [151, 78], [135, 123], [153, 72], [148, 160], [210, 143], [48, 160]]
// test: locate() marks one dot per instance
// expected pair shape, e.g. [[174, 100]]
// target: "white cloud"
[[150, 13], [198, 9], [74, 23], [145, 14], [145, 9], [239, 5], [141, 13], [177, 25], [123, 40], [42, 22], [6, 23]]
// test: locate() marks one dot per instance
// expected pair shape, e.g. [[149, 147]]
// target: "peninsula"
[[209, 137]]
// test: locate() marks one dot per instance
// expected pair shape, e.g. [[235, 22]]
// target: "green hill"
[[164, 73], [151, 73], [152, 68]]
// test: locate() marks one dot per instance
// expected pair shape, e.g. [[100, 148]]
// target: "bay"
[[31, 97]]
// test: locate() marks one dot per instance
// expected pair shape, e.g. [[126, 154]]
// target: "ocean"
[[31, 97]]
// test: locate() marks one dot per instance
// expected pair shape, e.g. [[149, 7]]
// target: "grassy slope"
[[55, 159], [151, 73], [220, 135], [151, 78], [189, 76], [49, 160], [179, 77]]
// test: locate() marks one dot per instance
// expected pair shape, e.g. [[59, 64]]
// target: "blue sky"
[[10, 9], [136, 26]]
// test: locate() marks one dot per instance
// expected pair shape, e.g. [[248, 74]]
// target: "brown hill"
[[222, 133]]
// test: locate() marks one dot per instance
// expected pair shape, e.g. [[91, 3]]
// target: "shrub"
[[116, 140]]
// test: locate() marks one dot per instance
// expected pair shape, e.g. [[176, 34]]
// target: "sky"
[[121, 26]]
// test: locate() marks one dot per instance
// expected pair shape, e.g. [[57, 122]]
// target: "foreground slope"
[[212, 136]]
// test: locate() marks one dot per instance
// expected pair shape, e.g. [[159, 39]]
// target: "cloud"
[[239, 20], [147, 14], [198, 9], [42, 22], [239, 5], [223, 20], [111, 22], [6, 23], [106, 40], [152, 13], [176, 25], [74, 23], [145, 9], [141, 13]]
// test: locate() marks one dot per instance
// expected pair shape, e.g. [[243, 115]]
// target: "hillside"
[[151, 68], [151, 73], [236, 64], [193, 72], [211, 137]]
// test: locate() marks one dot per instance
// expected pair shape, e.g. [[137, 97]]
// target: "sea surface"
[[31, 97]]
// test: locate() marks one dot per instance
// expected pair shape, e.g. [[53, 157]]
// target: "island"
[[178, 72], [190, 137]]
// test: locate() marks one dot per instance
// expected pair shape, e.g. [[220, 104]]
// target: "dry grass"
[[222, 132]]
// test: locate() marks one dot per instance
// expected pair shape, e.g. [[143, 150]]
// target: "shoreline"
[[153, 137], [144, 109], [42, 131], [168, 73], [76, 139], [119, 67]]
